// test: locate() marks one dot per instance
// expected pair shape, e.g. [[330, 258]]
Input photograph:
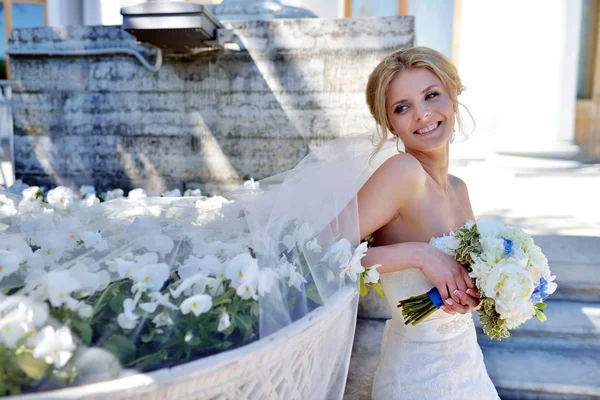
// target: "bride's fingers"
[[460, 287], [467, 300], [459, 308], [451, 298]]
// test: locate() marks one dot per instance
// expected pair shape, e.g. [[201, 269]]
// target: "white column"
[[323, 8], [518, 60], [433, 24], [64, 12], [105, 12]]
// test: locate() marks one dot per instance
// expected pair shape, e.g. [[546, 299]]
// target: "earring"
[[397, 142], [452, 136]]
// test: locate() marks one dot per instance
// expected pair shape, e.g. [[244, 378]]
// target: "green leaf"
[[120, 347], [83, 330], [378, 288], [32, 367], [313, 294], [363, 287], [540, 305]]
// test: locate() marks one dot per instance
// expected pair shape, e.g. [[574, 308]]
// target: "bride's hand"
[[452, 281]]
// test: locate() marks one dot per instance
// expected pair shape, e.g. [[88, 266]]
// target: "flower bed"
[[91, 291]]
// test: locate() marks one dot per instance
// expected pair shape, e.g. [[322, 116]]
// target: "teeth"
[[428, 129]]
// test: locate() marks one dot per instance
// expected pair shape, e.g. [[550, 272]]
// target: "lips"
[[428, 129]]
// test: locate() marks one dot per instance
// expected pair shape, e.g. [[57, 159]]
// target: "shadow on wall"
[[208, 121]]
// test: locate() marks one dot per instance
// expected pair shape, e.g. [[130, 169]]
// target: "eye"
[[431, 95], [401, 108]]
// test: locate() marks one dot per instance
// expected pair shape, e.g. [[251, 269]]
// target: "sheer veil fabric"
[[293, 218]]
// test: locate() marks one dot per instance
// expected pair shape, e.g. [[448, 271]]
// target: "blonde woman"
[[412, 95]]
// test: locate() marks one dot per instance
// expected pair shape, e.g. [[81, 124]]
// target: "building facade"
[[503, 62]]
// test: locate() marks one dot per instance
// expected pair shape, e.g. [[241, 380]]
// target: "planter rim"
[[144, 382]]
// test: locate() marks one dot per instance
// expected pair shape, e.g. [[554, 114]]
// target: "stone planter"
[[293, 363]]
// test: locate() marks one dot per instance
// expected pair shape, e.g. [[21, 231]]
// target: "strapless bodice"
[[440, 325]]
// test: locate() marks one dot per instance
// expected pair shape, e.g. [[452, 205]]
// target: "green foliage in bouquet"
[[493, 326], [469, 244]]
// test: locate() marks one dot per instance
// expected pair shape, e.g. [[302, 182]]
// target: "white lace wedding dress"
[[437, 359]]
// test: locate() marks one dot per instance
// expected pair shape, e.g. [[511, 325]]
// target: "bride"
[[412, 94]]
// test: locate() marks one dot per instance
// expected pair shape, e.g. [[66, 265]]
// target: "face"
[[420, 110]]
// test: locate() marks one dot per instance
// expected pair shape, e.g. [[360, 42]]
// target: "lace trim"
[[457, 325]]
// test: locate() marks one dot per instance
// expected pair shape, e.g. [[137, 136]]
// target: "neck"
[[435, 162]]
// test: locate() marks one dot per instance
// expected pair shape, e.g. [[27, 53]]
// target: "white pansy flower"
[[192, 193], [87, 190], [152, 277], [194, 265], [353, 268], [224, 322], [162, 319], [211, 203], [7, 206], [54, 346], [313, 245], [61, 198], [89, 202], [157, 299], [198, 304], [54, 245], [16, 245], [55, 286], [248, 285], [372, 274], [18, 315], [339, 253], [94, 240], [137, 194], [252, 184], [267, 279], [114, 194], [172, 193], [31, 201], [188, 283], [127, 319], [91, 282], [158, 243], [301, 234], [289, 271], [9, 263], [234, 268]]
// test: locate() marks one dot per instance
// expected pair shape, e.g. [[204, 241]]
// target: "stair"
[[555, 359]]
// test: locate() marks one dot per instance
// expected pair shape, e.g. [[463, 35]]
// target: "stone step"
[[577, 282], [520, 371], [569, 324]]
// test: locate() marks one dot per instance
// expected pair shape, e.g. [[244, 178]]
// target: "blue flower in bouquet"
[[541, 292], [508, 246]]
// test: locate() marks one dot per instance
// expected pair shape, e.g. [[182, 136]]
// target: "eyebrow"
[[427, 89]]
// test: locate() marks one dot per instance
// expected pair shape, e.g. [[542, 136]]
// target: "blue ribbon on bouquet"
[[434, 296]]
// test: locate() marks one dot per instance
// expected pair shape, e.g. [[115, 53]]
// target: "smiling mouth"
[[428, 129]]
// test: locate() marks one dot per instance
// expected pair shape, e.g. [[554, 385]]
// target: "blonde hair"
[[401, 60]]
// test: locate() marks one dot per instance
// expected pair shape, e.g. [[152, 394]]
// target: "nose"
[[422, 112]]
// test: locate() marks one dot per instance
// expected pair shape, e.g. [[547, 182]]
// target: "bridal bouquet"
[[90, 284], [509, 270]]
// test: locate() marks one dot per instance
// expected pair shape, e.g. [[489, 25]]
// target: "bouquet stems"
[[415, 309]]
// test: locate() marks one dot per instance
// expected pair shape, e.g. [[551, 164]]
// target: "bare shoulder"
[[460, 188], [403, 166], [458, 184], [382, 197]]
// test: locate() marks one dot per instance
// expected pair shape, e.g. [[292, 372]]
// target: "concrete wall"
[[207, 120]]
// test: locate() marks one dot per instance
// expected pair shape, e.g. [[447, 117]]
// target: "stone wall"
[[208, 120]]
